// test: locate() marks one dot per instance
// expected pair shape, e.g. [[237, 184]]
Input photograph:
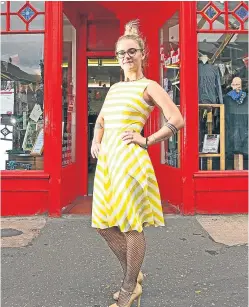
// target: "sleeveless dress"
[[125, 192]]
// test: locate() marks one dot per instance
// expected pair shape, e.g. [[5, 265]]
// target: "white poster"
[[211, 143], [7, 102]]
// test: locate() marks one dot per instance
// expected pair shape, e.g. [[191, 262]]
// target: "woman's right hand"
[[95, 149]]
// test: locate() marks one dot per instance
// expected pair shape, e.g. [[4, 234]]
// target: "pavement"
[[195, 261]]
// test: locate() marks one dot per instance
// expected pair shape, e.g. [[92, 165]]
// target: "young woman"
[[126, 196]]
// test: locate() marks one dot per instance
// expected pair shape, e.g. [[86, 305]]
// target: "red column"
[[53, 103], [82, 109], [189, 102]]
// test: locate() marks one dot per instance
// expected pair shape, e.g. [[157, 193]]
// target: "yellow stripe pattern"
[[125, 190]]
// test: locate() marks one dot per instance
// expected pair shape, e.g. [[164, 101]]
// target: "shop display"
[[223, 79], [236, 119], [212, 152], [209, 82]]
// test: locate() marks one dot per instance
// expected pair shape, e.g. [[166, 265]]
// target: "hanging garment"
[[125, 190], [236, 124], [209, 84]]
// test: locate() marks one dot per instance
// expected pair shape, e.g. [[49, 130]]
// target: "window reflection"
[[68, 93], [22, 102], [170, 81]]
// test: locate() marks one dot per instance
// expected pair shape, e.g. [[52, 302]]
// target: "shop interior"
[[102, 73]]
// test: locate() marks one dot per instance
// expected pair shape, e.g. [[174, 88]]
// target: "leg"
[[136, 246], [117, 243]]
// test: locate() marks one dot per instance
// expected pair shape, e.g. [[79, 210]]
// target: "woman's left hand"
[[133, 137]]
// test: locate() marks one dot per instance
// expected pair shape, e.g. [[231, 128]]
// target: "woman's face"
[[130, 55]]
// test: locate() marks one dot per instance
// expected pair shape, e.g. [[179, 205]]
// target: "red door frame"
[[53, 103], [190, 136]]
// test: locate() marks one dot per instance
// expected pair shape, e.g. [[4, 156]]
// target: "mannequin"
[[236, 123], [204, 58]]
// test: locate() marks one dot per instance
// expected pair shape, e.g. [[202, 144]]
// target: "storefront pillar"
[[82, 108], [53, 105], [189, 103]]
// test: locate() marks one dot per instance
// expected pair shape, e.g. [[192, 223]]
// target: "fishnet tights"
[[129, 248], [117, 243]]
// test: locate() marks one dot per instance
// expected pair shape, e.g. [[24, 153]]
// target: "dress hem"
[[145, 224]]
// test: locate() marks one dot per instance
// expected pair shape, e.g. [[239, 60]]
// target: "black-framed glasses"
[[131, 52]]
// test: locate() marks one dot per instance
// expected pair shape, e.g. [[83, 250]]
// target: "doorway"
[[102, 74]]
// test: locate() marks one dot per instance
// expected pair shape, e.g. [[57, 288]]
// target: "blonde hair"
[[132, 32]]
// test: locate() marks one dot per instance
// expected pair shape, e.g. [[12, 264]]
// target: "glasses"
[[131, 52]]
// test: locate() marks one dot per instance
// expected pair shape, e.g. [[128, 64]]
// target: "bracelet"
[[146, 143], [171, 127]]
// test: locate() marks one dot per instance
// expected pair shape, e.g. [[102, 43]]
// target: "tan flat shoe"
[[140, 279]]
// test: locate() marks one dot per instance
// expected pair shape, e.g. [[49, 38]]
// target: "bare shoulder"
[[152, 88]]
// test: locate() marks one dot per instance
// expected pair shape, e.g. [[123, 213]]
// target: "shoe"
[[136, 295], [140, 279]]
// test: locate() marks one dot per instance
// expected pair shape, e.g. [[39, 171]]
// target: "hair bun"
[[132, 27]]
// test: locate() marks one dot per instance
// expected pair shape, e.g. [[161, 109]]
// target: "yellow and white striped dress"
[[125, 190]]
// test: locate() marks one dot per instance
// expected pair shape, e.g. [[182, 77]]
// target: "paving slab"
[[229, 230], [27, 227]]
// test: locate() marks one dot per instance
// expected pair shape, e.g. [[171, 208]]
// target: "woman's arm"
[[97, 137], [98, 129], [161, 99]]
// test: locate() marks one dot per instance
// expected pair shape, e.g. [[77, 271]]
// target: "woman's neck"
[[133, 76]]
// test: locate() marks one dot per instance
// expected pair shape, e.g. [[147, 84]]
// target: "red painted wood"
[[23, 32], [53, 103], [82, 110], [98, 54], [24, 196], [189, 103], [223, 174], [8, 16], [221, 202], [219, 31], [23, 174], [221, 183], [24, 202], [69, 184], [28, 184]]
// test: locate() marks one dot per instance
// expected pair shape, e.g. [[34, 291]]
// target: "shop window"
[[22, 16], [3, 6], [102, 34], [22, 103], [170, 81], [68, 93], [223, 101], [3, 23], [222, 15]]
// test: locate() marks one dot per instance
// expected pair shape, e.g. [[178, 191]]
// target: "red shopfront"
[[58, 62]]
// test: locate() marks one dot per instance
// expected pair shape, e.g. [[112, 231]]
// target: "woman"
[[126, 195]]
